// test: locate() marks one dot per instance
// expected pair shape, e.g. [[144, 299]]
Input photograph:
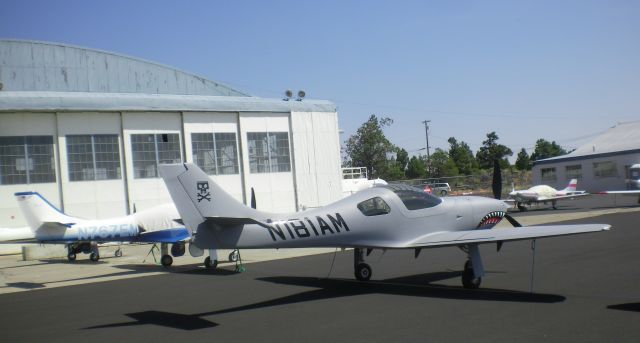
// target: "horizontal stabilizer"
[[226, 221]]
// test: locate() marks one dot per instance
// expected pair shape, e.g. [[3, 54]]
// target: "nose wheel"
[[362, 271]]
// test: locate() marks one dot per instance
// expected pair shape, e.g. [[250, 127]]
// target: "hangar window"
[[374, 207], [548, 174], [268, 152], [93, 157], [149, 150], [215, 153], [574, 172], [605, 169], [26, 159]]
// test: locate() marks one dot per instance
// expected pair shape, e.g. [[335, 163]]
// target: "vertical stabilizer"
[[38, 211], [572, 186], [198, 197]]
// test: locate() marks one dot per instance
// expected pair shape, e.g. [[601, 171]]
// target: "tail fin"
[[571, 187], [198, 198], [39, 212]]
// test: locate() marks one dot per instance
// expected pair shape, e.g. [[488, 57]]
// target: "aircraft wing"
[[632, 192], [448, 238]]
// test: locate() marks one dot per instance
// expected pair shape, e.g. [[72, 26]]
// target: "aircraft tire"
[[71, 257], [94, 257], [469, 281], [209, 263], [443, 193], [178, 249], [233, 256], [118, 253], [166, 260], [363, 272]]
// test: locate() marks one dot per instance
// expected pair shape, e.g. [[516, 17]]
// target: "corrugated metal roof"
[[45, 66], [624, 137], [76, 101]]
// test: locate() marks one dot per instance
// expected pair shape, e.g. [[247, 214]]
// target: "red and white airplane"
[[544, 194]]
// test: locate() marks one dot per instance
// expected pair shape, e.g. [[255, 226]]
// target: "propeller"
[[511, 221], [253, 199]]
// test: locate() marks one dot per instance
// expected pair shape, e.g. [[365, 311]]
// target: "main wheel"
[[71, 257], [363, 272], [233, 256], [94, 257], [178, 249], [118, 253], [166, 260], [469, 280], [209, 263]]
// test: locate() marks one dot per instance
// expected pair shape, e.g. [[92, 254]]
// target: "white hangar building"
[[600, 164], [87, 129]]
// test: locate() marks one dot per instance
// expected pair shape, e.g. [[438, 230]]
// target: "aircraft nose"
[[489, 212]]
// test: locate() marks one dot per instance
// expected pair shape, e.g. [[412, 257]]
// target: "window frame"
[[29, 149], [375, 210], [156, 153], [216, 138], [272, 157], [94, 160]]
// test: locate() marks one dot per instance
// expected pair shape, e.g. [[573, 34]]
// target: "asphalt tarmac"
[[586, 288]]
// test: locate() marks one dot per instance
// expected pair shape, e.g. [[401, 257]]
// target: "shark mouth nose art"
[[491, 219]]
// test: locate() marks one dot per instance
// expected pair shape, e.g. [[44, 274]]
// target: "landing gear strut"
[[362, 271], [473, 269]]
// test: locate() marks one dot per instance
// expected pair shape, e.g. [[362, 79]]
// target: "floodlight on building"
[[301, 95], [288, 94]]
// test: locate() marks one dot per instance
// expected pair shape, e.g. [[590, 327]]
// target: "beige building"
[[87, 129]]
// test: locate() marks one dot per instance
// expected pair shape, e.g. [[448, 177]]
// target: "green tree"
[[416, 168], [462, 156], [442, 165], [491, 151], [492, 154], [523, 162], [402, 159], [545, 149], [369, 148]]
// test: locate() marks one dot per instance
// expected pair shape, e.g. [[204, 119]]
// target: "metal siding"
[[41, 66]]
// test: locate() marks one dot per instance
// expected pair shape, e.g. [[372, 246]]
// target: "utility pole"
[[426, 131]]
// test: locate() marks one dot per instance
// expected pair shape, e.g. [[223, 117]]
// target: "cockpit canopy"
[[413, 199]]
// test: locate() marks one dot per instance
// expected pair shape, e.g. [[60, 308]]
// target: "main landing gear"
[[84, 247], [473, 269], [362, 271]]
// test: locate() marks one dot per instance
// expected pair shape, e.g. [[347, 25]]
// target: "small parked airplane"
[[49, 225], [544, 194], [382, 217]]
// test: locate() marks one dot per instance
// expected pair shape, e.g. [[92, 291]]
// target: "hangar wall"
[[311, 179]]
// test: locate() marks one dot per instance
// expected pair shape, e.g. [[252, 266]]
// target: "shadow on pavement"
[[632, 307], [416, 286]]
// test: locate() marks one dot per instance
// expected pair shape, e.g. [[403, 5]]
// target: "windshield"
[[414, 198]]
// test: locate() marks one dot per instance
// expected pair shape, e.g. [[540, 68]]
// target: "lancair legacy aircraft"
[[383, 217], [49, 225], [544, 194]]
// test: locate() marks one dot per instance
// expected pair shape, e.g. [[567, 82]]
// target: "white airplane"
[[49, 225], [544, 194], [383, 217]]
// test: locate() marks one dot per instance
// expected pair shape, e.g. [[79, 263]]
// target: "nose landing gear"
[[362, 271]]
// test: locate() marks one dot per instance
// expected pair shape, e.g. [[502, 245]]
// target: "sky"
[[559, 70]]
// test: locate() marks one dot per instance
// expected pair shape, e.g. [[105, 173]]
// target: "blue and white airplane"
[[49, 225]]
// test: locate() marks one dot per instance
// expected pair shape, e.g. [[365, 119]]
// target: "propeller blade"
[[369, 250], [134, 208], [512, 221], [253, 199], [499, 246], [417, 253]]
